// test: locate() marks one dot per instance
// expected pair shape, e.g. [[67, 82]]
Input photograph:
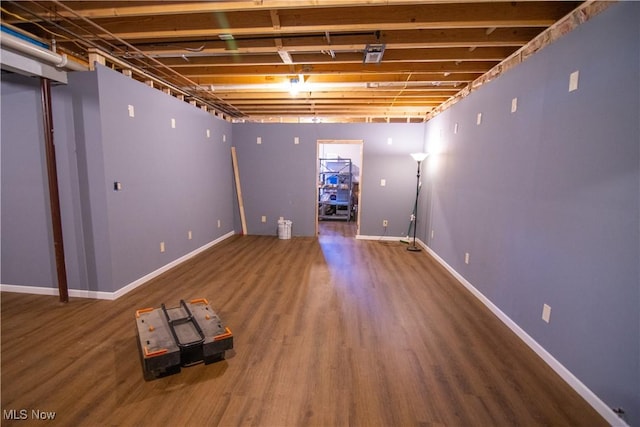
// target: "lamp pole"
[[418, 157]]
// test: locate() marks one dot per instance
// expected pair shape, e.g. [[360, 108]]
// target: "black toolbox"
[[170, 338]]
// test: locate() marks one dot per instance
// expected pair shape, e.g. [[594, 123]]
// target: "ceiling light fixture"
[[373, 53], [294, 86]]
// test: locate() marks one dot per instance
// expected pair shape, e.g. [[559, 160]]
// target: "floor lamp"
[[418, 157]]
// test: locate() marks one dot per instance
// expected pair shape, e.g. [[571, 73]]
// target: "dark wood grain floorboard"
[[330, 331]]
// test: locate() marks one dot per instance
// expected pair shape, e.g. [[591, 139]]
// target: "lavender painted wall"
[[80, 155], [174, 180], [546, 200], [278, 177], [25, 215]]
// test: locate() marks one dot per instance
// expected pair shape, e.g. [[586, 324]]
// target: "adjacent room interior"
[[339, 175], [401, 212]]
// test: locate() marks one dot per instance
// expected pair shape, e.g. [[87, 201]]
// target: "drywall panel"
[[79, 157], [167, 176], [278, 177], [546, 200], [27, 242], [136, 169]]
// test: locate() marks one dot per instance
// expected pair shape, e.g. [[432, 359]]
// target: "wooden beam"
[[340, 78], [446, 38], [236, 175], [390, 55], [131, 9], [346, 19], [340, 100], [394, 67]]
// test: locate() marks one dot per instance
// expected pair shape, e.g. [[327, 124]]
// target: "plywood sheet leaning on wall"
[[236, 175]]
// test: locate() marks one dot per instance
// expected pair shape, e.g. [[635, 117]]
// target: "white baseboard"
[[39, 290], [131, 286], [386, 238], [82, 293], [601, 407]]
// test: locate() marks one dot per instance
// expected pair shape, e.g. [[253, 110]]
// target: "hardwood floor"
[[330, 331]]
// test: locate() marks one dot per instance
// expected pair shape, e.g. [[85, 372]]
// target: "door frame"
[[359, 142]]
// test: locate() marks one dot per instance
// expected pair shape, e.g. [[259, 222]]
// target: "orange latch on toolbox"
[[148, 353], [143, 310], [227, 334]]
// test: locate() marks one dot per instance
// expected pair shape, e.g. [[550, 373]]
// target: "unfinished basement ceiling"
[[297, 60]]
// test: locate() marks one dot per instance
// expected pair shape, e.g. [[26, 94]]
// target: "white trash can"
[[284, 229]]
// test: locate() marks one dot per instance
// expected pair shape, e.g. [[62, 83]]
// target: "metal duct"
[[29, 49]]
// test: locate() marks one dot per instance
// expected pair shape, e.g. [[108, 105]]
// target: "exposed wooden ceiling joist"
[[244, 55]]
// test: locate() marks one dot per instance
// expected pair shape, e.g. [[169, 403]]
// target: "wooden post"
[[236, 175], [54, 197], [95, 56]]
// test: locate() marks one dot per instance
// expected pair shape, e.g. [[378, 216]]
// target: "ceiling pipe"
[[29, 49]]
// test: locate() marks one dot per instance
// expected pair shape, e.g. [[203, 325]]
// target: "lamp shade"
[[418, 157]]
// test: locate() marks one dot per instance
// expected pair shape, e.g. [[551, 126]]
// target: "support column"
[[54, 196]]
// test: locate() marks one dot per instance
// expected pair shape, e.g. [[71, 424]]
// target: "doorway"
[[339, 172]]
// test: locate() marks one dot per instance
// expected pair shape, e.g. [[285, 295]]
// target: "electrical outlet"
[[385, 223], [132, 112], [546, 313], [173, 123], [264, 218], [466, 257], [189, 235], [514, 105], [161, 247], [296, 140], [219, 224], [208, 133], [432, 233], [383, 182]]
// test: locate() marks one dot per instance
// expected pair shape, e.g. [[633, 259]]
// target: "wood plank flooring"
[[327, 332]]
